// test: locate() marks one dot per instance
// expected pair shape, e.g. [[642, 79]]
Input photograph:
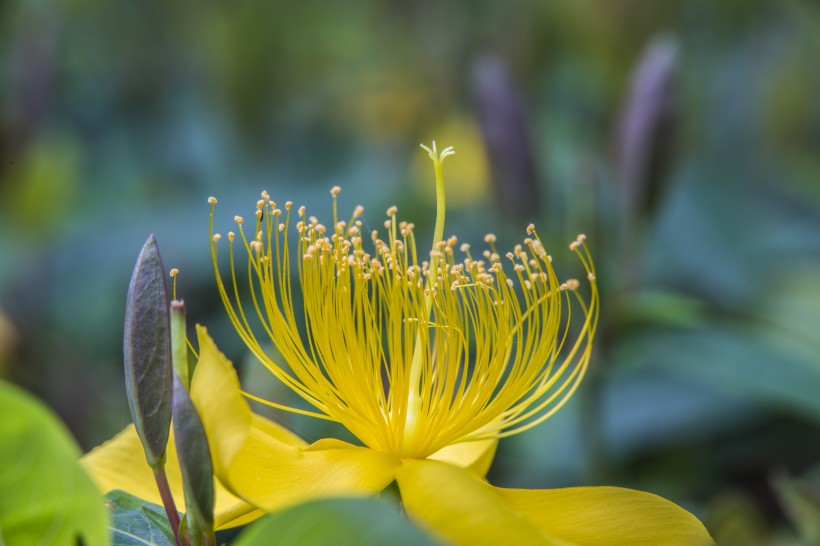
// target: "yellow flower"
[[428, 359]]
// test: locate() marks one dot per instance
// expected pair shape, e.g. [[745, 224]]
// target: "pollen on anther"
[[581, 238], [212, 200], [174, 272], [238, 219], [574, 245], [489, 238], [392, 211], [530, 228], [591, 276], [335, 190], [464, 247], [217, 237], [358, 211], [301, 210], [231, 235]]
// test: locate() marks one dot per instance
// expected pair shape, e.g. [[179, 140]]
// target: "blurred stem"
[[167, 500]]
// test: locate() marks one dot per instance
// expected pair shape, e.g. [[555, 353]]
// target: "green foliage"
[[135, 522], [801, 499], [365, 522], [147, 349], [45, 497]]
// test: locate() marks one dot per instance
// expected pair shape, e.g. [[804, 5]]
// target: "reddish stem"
[[167, 500]]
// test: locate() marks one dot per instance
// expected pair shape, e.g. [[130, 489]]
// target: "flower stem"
[[167, 500]]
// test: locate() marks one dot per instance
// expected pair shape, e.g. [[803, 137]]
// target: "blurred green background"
[[683, 137]]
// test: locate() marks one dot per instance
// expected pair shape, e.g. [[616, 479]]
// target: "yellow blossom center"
[[411, 352]]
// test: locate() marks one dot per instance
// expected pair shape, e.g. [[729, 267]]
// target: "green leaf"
[[365, 522], [45, 496], [135, 522], [194, 461], [147, 351]]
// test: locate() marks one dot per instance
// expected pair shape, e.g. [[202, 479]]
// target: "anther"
[[231, 235], [531, 229], [174, 272], [238, 220], [212, 200], [217, 237], [335, 190], [392, 211], [489, 238]]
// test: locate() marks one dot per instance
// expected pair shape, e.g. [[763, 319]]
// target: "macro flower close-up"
[[427, 358], [242, 305]]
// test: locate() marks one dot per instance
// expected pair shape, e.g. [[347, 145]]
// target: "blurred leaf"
[[147, 350], [135, 522], [730, 359], [45, 496], [667, 308], [48, 172], [365, 522], [801, 501]]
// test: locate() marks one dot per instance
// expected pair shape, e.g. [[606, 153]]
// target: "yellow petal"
[[474, 456], [460, 508], [604, 516], [272, 474], [120, 464], [266, 464], [216, 394]]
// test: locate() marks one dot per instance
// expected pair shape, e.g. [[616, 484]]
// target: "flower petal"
[[460, 508], [474, 456], [272, 474], [604, 516], [218, 399], [266, 464], [120, 464]]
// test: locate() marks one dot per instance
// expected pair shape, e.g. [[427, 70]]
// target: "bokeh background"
[[683, 137]]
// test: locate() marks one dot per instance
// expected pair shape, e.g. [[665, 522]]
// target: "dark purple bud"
[[147, 352]]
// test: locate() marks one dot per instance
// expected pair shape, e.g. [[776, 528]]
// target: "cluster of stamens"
[[383, 324]]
